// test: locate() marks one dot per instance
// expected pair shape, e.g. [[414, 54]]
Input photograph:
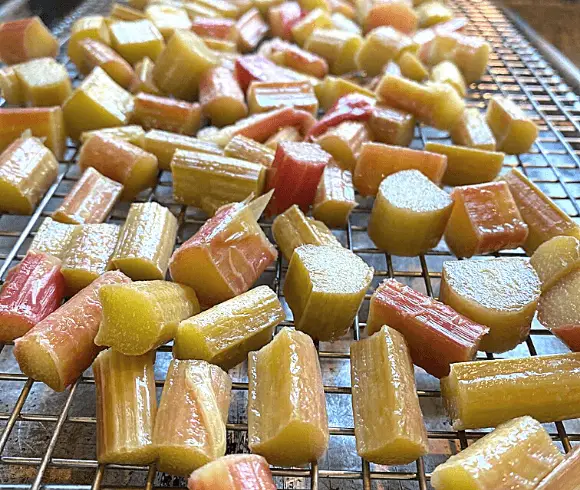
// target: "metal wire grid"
[[517, 70]]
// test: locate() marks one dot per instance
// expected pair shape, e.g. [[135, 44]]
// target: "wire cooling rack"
[[47, 439]]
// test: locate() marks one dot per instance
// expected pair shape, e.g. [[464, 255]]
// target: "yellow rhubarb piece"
[[226, 333], [26, 39], [409, 215], [126, 407], [140, 316], [267, 96], [91, 27], [168, 19], [88, 254], [344, 142], [10, 87], [135, 40], [472, 131], [290, 428], [333, 88], [44, 82], [190, 427], [338, 48], [517, 454], [433, 12], [315, 19], [411, 67], [250, 150], [132, 134], [447, 72], [514, 132], [52, 238], [221, 97], [388, 423], [556, 258], [486, 393], [146, 242], [98, 54], [334, 200], [143, 80], [325, 286], [499, 293], [391, 126]]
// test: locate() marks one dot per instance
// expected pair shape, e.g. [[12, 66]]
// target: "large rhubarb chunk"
[[518, 454], [226, 256], [290, 428], [500, 293], [44, 82], [32, 291], [324, 287], [388, 422], [555, 259], [226, 333], [514, 132], [26, 39], [59, 348], [190, 427], [487, 393], [437, 335]]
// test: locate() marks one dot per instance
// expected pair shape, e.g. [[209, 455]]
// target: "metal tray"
[[47, 439]]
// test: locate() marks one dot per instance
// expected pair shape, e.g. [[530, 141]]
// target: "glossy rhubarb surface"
[[190, 427], [513, 130], [436, 334], [96, 53], [334, 198], [32, 290], [391, 126], [266, 96], [167, 18], [388, 422], [500, 293], [126, 407], [44, 82], [134, 40], [143, 79], [132, 133], [565, 476], [176, 116], [227, 332], [249, 30], [295, 58], [90, 27], [221, 97], [339, 48], [555, 259], [247, 149], [292, 427], [52, 238], [59, 348], [472, 131], [344, 142]]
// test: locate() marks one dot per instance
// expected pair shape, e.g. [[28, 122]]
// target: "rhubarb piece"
[[121, 161], [282, 17], [558, 310], [213, 28], [224, 8], [395, 13], [344, 142], [391, 126], [143, 78], [87, 255], [324, 287], [181, 64], [447, 72], [146, 242], [255, 67], [227, 255], [126, 407], [168, 19], [555, 259], [177, 116], [163, 145], [135, 40], [471, 56], [500, 293], [334, 198], [411, 67], [221, 97], [487, 393], [388, 423], [26, 39], [10, 87], [344, 23], [44, 82], [46, 123], [433, 12], [517, 454], [466, 166], [439, 47], [338, 48], [190, 427], [52, 238], [377, 161], [287, 133], [132, 134], [484, 219], [92, 27], [472, 131], [295, 175], [267, 96], [514, 132], [291, 428], [435, 104], [90, 200], [59, 348], [32, 290], [409, 214], [226, 333], [95, 53], [143, 315], [333, 88], [210, 181], [545, 220], [124, 12], [565, 476], [27, 170], [296, 58], [437, 335], [247, 149], [292, 229], [315, 19], [97, 103], [233, 472], [249, 30]]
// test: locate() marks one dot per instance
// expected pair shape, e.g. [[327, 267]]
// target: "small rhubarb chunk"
[[26, 39], [90, 27], [137, 39], [247, 149], [143, 79], [338, 48], [398, 14], [267, 96], [176, 116], [249, 30], [412, 68], [514, 132], [472, 131], [391, 126], [334, 200], [131, 134], [44, 82], [447, 72], [52, 238], [344, 142], [315, 19], [168, 18], [555, 259], [221, 98], [294, 57], [95, 53], [282, 17]]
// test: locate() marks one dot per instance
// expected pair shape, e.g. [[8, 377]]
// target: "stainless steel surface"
[[48, 439]]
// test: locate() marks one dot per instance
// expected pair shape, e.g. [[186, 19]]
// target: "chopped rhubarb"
[[344, 142], [295, 175], [294, 57], [95, 53], [334, 198], [177, 116], [437, 335], [221, 98], [267, 96], [249, 30], [26, 39], [32, 290], [283, 17], [256, 67], [396, 13], [213, 28]]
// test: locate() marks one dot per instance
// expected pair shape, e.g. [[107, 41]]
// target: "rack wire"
[[47, 439]]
